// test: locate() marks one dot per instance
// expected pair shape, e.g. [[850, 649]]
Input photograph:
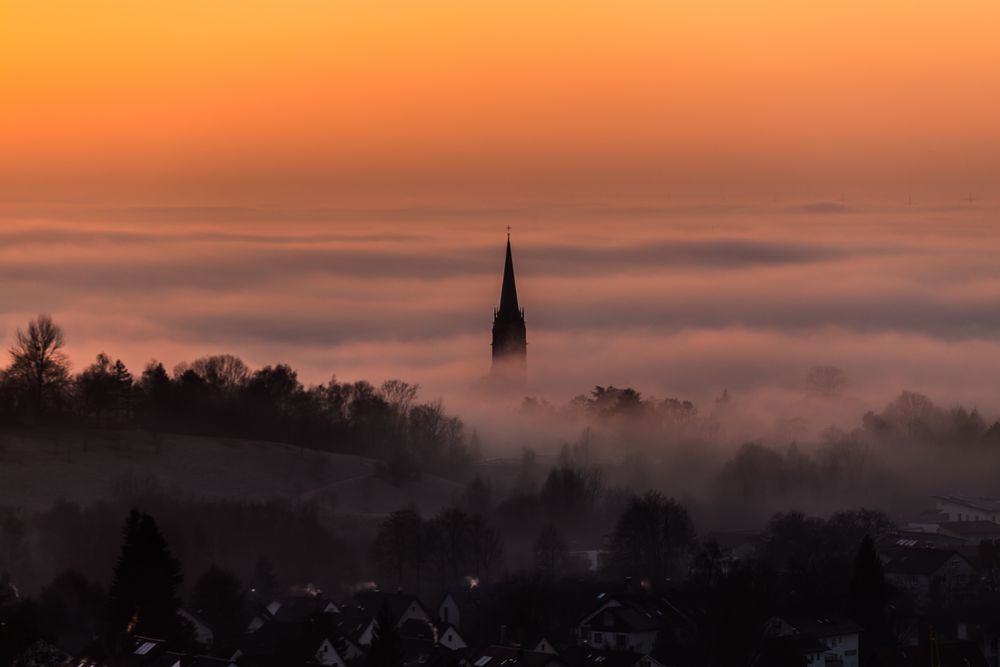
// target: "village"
[[939, 581]]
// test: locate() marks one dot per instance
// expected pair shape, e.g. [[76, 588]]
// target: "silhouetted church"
[[510, 345]]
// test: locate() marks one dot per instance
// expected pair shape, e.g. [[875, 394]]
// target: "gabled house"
[[629, 622], [839, 637], [931, 575]]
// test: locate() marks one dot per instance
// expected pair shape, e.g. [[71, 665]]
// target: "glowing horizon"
[[391, 103]]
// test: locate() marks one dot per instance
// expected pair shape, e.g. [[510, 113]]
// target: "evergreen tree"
[[143, 595], [869, 594], [385, 649]]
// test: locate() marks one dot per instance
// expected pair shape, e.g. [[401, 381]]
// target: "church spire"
[[510, 345], [508, 292]]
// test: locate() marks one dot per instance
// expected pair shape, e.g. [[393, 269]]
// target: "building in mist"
[[510, 345]]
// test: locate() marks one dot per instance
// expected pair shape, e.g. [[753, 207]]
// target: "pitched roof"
[[632, 612], [920, 561]]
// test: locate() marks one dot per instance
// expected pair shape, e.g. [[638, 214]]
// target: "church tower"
[[510, 345]]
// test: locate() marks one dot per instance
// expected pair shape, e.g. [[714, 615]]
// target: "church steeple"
[[510, 345], [508, 293]]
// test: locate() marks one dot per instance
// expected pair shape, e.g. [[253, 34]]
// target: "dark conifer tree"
[[385, 649], [869, 594], [143, 595]]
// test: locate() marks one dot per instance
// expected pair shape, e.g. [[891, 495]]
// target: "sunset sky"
[[703, 194], [392, 102]]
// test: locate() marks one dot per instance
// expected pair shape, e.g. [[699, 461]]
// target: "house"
[[629, 622], [962, 508], [931, 575], [839, 637]]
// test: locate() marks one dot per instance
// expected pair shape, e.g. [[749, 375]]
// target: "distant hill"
[[37, 467]]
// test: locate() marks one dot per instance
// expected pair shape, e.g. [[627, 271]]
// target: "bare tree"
[[222, 371], [38, 362]]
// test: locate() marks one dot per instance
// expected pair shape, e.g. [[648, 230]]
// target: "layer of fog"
[[682, 302]]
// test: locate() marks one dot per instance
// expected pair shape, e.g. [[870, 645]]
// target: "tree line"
[[220, 395]]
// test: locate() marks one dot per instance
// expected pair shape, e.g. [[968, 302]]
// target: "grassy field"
[[37, 467]]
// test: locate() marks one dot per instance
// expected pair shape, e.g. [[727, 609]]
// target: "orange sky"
[[324, 102]]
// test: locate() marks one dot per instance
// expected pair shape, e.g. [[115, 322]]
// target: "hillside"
[[37, 467]]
